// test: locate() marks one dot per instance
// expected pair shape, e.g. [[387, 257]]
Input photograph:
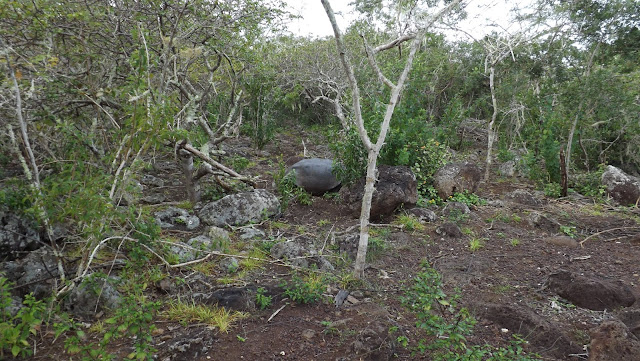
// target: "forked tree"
[[373, 149]]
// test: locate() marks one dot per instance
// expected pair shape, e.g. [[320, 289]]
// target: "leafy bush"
[[449, 325], [16, 330], [262, 300], [467, 198], [305, 290], [425, 160]]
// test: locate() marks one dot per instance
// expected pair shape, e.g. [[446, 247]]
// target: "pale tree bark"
[[30, 167], [373, 149], [496, 52]]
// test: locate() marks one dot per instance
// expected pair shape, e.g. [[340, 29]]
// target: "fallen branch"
[[605, 231], [230, 172]]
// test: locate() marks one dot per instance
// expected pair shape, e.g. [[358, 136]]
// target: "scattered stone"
[[240, 208], [620, 186], [424, 214], [349, 244], [455, 209], [152, 181], [34, 273], [154, 198], [315, 175], [507, 169], [183, 252], [456, 178], [229, 265], [352, 300], [539, 220], [562, 241], [308, 334], [449, 229], [374, 343], [251, 233], [495, 203], [167, 286], [297, 255], [92, 296], [17, 236], [592, 293], [521, 196], [541, 332], [173, 216], [612, 340], [396, 186], [202, 243], [217, 234]]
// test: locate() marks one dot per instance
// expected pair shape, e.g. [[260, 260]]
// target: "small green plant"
[[514, 242], [15, 331], [262, 300], [287, 188], [467, 198], [569, 231], [475, 244], [553, 190], [449, 325], [329, 328], [307, 289], [409, 222]]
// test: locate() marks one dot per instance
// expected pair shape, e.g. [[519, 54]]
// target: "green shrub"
[[262, 300], [306, 289], [440, 317], [15, 331]]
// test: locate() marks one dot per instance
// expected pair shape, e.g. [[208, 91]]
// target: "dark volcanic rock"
[[17, 236], [613, 341], [456, 178], [535, 329], [396, 186], [620, 186], [591, 293]]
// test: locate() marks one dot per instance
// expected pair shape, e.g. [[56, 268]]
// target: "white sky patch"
[[484, 16]]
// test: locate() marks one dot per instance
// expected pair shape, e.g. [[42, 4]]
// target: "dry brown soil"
[[509, 270]]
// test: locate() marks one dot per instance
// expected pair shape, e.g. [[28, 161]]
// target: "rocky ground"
[[563, 273]]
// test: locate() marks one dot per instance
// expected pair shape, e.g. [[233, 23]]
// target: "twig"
[[605, 231], [277, 311]]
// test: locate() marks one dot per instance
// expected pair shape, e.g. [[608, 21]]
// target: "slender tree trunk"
[[491, 134], [365, 213]]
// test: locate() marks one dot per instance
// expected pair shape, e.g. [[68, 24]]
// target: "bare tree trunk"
[[563, 174], [396, 89], [32, 172], [365, 213], [491, 134]]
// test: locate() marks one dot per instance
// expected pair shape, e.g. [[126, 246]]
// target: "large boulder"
[[540, 331], [592, 293], [240, 208], [92, 296], [396, 185], [315, 175], [612, 340], [17, 236], [620, 186], [456, 178]]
